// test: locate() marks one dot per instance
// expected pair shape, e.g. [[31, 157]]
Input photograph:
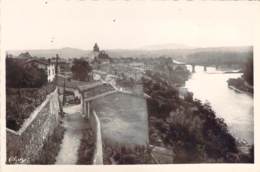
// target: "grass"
[[123, 118], [87, 147]]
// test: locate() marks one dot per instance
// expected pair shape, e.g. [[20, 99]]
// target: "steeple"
[[96, 48]]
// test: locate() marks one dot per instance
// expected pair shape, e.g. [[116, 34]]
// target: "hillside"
[[187, 54], [169, 46]]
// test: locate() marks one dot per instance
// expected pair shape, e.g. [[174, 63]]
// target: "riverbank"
[[240, 85], [188, 127], [234, 107], [240, 91]]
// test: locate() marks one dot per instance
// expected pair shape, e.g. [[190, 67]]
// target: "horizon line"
[[145, 49]]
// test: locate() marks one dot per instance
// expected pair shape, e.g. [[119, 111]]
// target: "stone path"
[[73, 124]]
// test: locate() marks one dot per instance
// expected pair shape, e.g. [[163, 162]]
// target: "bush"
[[87, 147], [123, 154]]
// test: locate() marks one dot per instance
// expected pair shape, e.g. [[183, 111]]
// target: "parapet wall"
[[24, 145], [98, 153]]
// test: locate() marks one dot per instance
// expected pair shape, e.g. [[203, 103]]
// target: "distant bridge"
[[204, 67], [193, 65]]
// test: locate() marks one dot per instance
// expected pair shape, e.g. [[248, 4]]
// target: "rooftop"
[[89, 85], [41, 61]]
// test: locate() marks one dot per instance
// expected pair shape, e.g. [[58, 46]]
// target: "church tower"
[[96, 48], [95, 52]]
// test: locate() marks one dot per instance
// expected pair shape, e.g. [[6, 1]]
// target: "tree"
[[249, 71], [81, 70], [25, 55], [19, 76]]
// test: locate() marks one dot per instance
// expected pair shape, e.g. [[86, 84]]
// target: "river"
[[235, 108]]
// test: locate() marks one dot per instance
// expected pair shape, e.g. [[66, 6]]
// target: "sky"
[[47, 24]]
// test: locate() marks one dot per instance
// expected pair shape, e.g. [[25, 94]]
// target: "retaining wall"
[[23, 146], [95, 124]]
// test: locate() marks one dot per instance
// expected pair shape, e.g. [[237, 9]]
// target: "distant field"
[[123, 118]]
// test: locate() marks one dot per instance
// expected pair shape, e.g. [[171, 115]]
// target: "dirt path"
[[74, 124]]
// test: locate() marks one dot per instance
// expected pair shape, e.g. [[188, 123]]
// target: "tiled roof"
[[89, 85], [44, 62]]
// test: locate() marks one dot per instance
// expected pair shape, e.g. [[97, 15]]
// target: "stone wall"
[[23, 146], [95, 124]]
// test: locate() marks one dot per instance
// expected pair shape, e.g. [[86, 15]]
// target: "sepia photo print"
[[128, 82]]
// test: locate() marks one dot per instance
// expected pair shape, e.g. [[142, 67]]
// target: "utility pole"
[[56, 68], [64, 98]]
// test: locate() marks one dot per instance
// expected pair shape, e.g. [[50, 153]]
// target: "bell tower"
[[95, 51]]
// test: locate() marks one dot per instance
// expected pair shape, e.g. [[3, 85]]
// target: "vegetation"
[[239, 83], [188, 127], [219, 57], [20, 103], [20, 76], [26, 88], [248, 73], [87, 147], [81, 70], [51, 147], [246, 82], [25, 55], [163, 69], [127, 155]]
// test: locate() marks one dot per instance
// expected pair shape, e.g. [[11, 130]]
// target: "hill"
[[187, 54]]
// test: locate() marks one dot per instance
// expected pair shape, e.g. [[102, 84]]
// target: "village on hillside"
[[105, 110]]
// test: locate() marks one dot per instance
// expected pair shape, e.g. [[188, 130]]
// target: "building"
[[51, 72], [46, 65], [98, 56], [95, 52], [91, 91]]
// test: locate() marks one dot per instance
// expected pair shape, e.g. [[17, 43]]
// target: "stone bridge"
[[193, 65]]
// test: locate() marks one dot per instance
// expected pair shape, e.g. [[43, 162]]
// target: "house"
[[46, 65], [137, 64], [92, 90], [98, 75]]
